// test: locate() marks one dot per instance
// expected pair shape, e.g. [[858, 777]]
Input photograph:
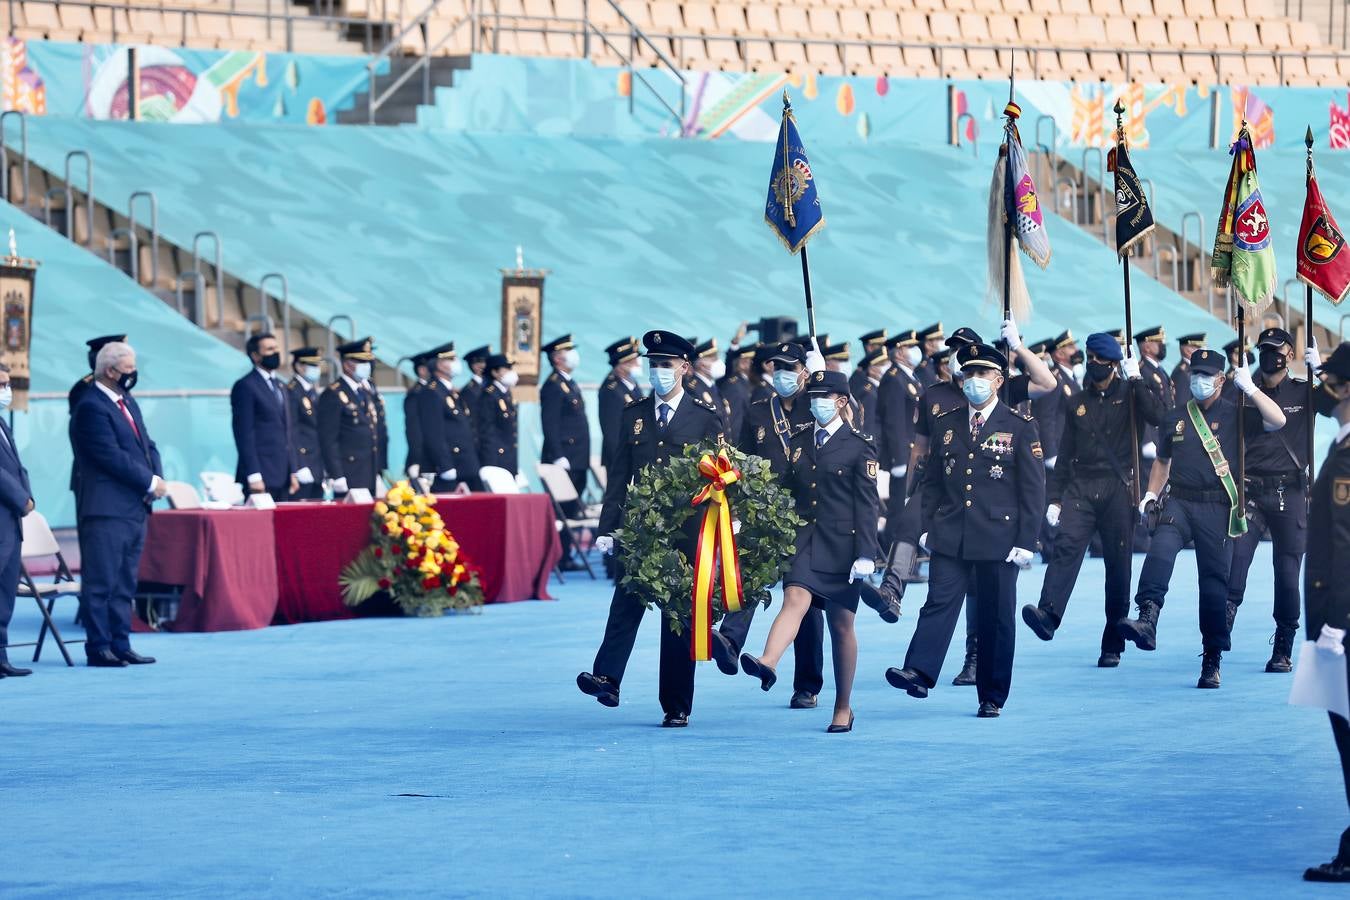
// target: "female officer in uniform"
[[832, 474]]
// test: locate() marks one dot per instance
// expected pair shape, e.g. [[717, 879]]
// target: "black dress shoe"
[[724, 654], [907, 680], [841, 729], [106, 659], [802, 700], [1039, 621], [886, 606], [599, 687], [8, 671], [756, 669], [988, 710], [132, 658], [675, 720], [1334, 871], [1108, 660]]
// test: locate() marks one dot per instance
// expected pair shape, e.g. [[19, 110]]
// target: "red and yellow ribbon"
[[716, 544]]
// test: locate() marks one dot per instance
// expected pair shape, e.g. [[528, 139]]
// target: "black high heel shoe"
[[842, 729], [752, 666]]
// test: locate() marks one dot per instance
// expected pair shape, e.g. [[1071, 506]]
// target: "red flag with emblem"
[[1323, 262]]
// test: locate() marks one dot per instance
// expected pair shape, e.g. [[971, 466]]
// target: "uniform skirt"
[[827, 588]]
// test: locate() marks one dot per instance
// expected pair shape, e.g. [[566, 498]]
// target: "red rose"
[[384, 584], [378, 553], [428, 583]]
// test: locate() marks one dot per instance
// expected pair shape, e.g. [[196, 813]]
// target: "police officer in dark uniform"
[[303, 396], [448, 453], [983, 493], [353, 434], [1152, 345], [873, 366], [412, 426], [1276, 462], [898, 402], [469, 395], [1328, 570], [498, 439], [618, 390], [761, 376], [833, 478], [735, 386], [1050, 409], [654, 429], [1089, 490], [871, 342], [1201, 506], [931, 340], [702, 379], [1181, 372], [562, 414]]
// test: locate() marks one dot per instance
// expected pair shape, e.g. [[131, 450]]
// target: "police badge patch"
[[797, 454], [1036, 449], [1082, 410], [872, 468], [936, 409], [759, 435], [1340, 491], [637, 426], [947, 438]]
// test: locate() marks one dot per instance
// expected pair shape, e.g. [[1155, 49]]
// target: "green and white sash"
[[1237, 516]]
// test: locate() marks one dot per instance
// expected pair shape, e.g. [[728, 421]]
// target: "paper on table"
[[1320, 681]]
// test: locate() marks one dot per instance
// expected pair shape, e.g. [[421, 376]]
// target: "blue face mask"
[[663, 380], [1202, 386], [785, 383], [977, 390], [823, 409]]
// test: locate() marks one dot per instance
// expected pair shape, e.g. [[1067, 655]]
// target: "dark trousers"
[[1205, 523], [808, 649], [11, 542], [994, 584], [1092, 506], [1288, 538], [1340, 729], [112, 549], [611, 660], [308, 492]]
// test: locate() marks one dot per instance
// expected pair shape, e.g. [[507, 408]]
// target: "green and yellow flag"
[[1244, 255]]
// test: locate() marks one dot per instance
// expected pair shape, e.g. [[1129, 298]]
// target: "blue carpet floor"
[[455, 757]]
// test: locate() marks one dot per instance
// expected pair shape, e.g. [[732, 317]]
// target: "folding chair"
[[600, 474], [182, 495], [560, 488], [222, 488], [498, 481], [40, 543]]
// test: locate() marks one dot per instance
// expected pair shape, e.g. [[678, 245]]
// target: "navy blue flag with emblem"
[[1134, 219], [792, 210]]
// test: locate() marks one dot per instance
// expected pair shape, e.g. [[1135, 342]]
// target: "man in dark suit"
[[498, 440], [619, 388], [120, 477], [413, 463], [352, 430], [16, 501], [448, 451], [77, 393], [260, 420], [562, 413], [303, 400]]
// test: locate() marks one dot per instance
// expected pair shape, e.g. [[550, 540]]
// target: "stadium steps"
[[401, 107]]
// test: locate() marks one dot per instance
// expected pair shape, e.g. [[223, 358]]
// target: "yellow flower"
[[391, 527], [381, 508], [415, 528], [433, 540]]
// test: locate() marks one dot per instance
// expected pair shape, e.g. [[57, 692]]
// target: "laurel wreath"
[[657, 517]]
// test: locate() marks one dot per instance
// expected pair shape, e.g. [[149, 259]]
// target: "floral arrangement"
[[412, 558]]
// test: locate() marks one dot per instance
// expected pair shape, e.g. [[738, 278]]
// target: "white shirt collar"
[[674, 403], [835, 424], [876, 382], [501, 387], [304, 382], [354, 384], [112, 395], [449, 385], [986, 412], [706, 379], [263, 372]]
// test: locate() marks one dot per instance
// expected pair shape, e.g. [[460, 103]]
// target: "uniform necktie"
[[130, 421], [976, 422], [821, 437], [663, 414], [276, 390]]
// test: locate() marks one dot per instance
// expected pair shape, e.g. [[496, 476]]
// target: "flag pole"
[[1308, 333], [1243, 133], [791, 218], [1119, 110], [1008, 192], [806, 284]]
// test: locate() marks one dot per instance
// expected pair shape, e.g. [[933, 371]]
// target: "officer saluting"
[[303, 397], [983, 493], [1199, 444], [352, 431], [497, 436], [618, 390], [1089, 490], [562, 413], [654, 429], [448, 452]]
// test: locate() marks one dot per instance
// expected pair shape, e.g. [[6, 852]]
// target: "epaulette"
[[1027, 417], [948, 412], [635, 401], [865, 437], [759, 401], [88, 378], [798, 429], [611, 383], [698, 401], [553, 376]]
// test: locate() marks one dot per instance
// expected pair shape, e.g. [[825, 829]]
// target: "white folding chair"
[[559, 486], [40, 543], [222, 488], [599, 473], [498, 481], [182, 495]]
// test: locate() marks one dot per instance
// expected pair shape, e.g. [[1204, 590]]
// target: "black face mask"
[[1324, 403], [1099, 371], [1272, 361], [1162, 353], [271, 362], [127, 380]]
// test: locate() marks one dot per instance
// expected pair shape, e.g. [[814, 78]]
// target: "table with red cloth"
[[512, 539]]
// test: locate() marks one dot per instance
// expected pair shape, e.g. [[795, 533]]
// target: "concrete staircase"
[[401, 107]]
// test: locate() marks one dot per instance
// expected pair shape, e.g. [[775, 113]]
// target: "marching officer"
[[898, 401], [653, 430], [978, 537], [1152, 344], [1050, 409], [353, 434], [761, 376], [412, 426], [931, 340], [1187, 344], [702, 378], [1200, 439], [1328, 569], [562, 413], [618, 390], [469, 395], [448, 453], [498, 440], [735, 385], [1089, 490], [872, 342], [1276, 462], [873, 366], [303, 396]]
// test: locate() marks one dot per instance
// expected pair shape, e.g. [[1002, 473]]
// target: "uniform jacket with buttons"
[[1098, 428], [643, 443], [1159, 383], [615, 394], [835, 490], [1326, 584], [412, 427], [567, 432], [760, 437], [982, 499], [352, 434], [1050, 409], [735, 390], [898, 402], [447, 435], [497, 428], [710, 394], [304, 408], [469, 395]]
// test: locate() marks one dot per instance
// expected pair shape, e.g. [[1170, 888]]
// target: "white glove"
[[861, 569], [815, 362], [1050, 462], [1019, 557], [449, 475], [414, 470], [1312, 357], [1331, 640], [339, 485], [562, 463], [521, 482], [1243, 379], [1010, 334], [735, 526], [1143, 504], [1129, 366], [1149, 450], [605, 544], [1052, 515], [305, 476], [899, 471], [923, 540]]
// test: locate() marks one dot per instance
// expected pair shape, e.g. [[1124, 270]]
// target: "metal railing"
[[219, 271], [285, 299], [133, 251], [153, 229], [4, 153]]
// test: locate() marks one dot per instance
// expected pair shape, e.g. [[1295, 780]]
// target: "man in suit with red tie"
[[16, 501], [120, 477], [260, 419]]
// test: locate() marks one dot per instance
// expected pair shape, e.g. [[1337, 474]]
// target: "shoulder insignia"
[[866, 437], [913, 391], [699, 401], [798, 429], [610, 384], [797, 454], [872, 469], [761, 401], [1027, 417], [88, 378], [634, 401], [759, 433], [946, 412], [637, 425], [1340, 491], [868, 388]]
